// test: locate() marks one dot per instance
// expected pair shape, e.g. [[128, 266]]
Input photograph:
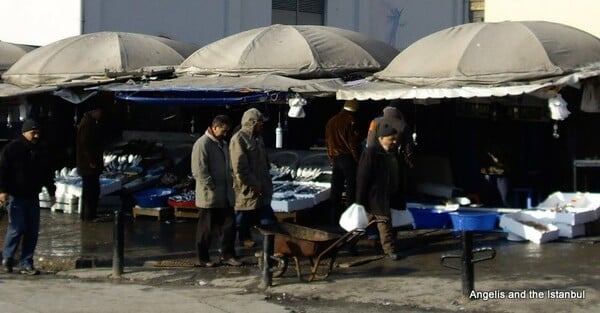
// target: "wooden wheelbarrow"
[[295, 241]]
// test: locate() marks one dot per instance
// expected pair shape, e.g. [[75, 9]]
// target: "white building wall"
[[397, 22], [39, 22], [197, 21], [582, 14]]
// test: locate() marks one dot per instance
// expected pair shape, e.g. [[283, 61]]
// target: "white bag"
[[354, 217]]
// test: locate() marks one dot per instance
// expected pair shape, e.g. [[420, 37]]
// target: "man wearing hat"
[[89, 160], [378, 182], [251, 179], [24, 170], [342, 139]]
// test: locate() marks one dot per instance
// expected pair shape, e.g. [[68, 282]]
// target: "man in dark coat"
[[343, 140], [378, 183], [211, 167], [24, 170], [89, 161]]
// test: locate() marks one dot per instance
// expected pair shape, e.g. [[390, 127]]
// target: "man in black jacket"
[[378, 185], [24, 170]]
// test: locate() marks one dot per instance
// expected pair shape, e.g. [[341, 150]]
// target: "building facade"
[[397, 22]]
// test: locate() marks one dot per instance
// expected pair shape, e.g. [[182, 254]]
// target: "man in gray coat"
[[251, 179], [214, 192]]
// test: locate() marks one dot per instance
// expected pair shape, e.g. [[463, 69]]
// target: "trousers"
[[343, 177], [221, 220], [90, 191], [23, 225]]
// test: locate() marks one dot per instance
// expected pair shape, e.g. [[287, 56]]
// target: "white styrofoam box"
[[315, 198], [571, 216], [513, 223], [73, 187], [44, 198], [570, 231], [66, 208], [292, 205], [401, 218], [66, 198], [582, 200]]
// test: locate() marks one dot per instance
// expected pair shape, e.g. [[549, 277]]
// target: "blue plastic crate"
[[474, 221], [153, 197], [430, 218]]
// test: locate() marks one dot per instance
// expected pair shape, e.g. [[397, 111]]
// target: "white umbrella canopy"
[[306, 51], [494, 53], [92, 58], [10, 53]]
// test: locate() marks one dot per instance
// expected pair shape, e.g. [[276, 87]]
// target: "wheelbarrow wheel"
[[280, 264]]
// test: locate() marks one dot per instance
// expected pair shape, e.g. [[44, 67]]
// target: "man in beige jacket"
[[251, 179], [214, 192]]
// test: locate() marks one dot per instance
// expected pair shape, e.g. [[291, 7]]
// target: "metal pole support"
[[467, 261], [267, 271], [118, 245], [468, 281]]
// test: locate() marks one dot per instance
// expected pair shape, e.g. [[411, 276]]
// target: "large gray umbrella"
[[493, 53], [483, 60], [292, 50], [93, 58], [10, 53]]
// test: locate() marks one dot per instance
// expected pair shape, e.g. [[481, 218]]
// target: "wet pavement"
[[161, 253]]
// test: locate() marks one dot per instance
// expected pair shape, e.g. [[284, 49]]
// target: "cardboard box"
[[516, 223]]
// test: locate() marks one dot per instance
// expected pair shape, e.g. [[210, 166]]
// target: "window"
[[298, 12]]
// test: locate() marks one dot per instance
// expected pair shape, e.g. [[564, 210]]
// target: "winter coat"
[[212, 171], [378, 183], [250, 165], [24, 169], [342, 136], [89, 147]]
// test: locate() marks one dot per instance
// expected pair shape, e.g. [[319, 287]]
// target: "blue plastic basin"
[[430, 218], [474, 221]]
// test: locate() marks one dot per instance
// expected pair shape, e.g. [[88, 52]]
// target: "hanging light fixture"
[[558, 112], [296, 102]]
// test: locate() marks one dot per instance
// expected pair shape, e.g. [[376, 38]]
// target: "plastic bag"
[[354, 217]]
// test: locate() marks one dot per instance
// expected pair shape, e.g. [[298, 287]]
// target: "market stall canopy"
[[95, 58], [219, 89], [263, 82], [484, 59], [10, 53], [382, 90], [306, 51]]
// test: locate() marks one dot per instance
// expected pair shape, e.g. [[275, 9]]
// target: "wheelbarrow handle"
[[443, 258], [491, 250]]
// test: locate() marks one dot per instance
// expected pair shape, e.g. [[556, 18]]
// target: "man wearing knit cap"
[[24, 170], [378, 183], [405, 148], [342, 139]]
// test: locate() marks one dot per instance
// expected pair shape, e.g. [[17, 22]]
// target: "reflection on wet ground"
[[65, 236]]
